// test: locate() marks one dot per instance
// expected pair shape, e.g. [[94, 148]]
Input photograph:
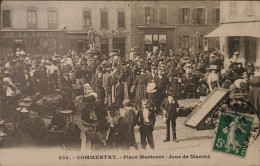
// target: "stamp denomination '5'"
[[233, 133]]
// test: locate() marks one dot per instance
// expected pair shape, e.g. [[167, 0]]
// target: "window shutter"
[[162, 15], [206, 15], [121, 19], [104, 21], [153, 20], [189, 15], [180, 16], [194, 16], [6, 18], [214, 16]]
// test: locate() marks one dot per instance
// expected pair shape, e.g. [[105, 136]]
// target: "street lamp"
[[197, 35]]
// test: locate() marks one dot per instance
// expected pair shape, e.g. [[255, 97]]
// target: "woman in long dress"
[[140, 85], [213, 78]]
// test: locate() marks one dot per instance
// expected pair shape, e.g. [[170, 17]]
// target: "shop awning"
[[251, 29]]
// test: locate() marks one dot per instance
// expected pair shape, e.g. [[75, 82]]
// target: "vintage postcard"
[[129, 82]]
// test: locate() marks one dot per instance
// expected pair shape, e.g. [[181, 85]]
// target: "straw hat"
[[236, 53], [24, 110], [213, 67], [127, 102], [187, 65]]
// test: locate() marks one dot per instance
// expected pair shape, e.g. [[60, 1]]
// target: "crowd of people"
[[143, 86]]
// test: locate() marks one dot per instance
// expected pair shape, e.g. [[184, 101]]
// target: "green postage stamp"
[[233, 133]]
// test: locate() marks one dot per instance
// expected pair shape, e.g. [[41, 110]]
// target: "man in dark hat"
[[107, 84], [58, 121], [152, 74], [162, 83], [14, 137], [66, 88], [94, 120], [169, 108], [80, 75], [146, 121], [94, 111], [120, 135], [36, 127], [130, 116]]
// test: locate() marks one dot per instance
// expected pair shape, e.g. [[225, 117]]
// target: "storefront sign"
[[77, 37], [114, 33], [30, 34]]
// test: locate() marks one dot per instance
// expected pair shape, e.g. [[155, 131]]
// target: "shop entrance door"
[[250, 49], [233, 45], [119, 43]]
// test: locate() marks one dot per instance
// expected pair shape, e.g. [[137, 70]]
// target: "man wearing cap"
[[120, 135], [107, 84], [14, 137], [151, 76], [23, 121], [58, 121], [98, 86], [36, 127], [146, 120], [188, 77], [169, 108], [66, 88], [161, 84], [130, 116], [93, 118]]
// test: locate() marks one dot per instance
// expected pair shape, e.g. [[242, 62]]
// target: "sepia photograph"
[[129, 82]]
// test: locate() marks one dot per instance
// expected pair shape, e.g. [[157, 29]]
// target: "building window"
[[104, 19], [121, 19], [31, 18], [233, 9], [162, 15], [87, 19], [217, 15], [52, 19], [184, 42], [185, 15], [250, 8], [149, 15], [6, 18], [201, 16]]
